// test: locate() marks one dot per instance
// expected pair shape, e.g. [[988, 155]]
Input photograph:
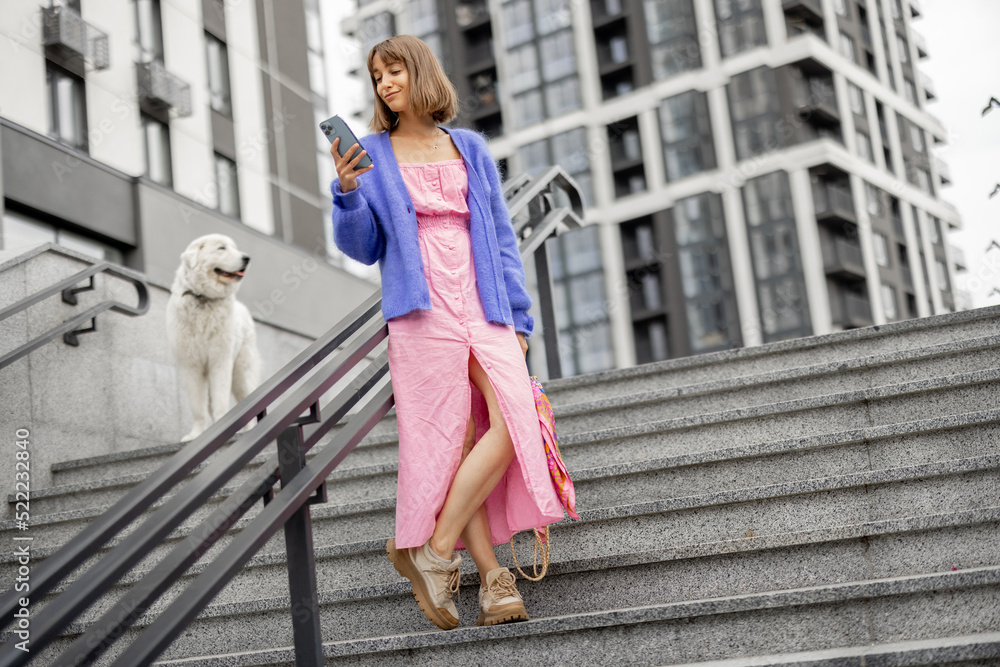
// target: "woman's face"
[[392, 82]]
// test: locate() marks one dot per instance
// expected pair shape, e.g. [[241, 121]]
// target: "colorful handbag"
[[560, 481]]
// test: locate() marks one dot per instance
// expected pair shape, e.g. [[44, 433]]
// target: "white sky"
[[963, 40], [964, 62]]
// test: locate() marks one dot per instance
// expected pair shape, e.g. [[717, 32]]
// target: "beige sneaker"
[[499, 601], [434, 581]]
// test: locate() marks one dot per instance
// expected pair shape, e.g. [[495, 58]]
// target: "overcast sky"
[[964, 62], [963, 40]]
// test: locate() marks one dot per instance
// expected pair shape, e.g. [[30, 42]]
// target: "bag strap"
[[542, 540]]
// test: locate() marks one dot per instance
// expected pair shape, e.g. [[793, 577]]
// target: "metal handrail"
[[279, 404], [70, 328]]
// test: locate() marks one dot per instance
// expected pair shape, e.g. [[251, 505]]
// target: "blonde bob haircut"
[[431, 92]]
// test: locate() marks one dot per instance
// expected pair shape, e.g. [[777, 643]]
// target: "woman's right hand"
[[345, 168]]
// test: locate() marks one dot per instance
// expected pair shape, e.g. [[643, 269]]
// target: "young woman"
[[430, 210]]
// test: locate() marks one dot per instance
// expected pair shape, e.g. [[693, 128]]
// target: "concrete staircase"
[[830, 501]]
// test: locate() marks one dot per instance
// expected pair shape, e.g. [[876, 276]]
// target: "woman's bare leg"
[[476, 536], [476, 478]]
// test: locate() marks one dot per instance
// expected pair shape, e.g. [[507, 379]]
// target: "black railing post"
[[301, 558], [550, 331]]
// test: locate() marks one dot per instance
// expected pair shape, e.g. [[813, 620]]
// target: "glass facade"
[[541, 59], [740, 24], [784, 312], [580, 302], [706, 275], [686, 131], [672, 31], [753, 105]]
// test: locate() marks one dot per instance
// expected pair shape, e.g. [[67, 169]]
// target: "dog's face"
[[212, 265]]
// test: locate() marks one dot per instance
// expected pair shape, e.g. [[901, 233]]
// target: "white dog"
[[211, 333]]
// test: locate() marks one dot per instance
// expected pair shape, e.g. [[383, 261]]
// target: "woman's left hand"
[[524, 343]]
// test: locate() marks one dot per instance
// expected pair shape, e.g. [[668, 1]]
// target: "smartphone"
[[336, 127]]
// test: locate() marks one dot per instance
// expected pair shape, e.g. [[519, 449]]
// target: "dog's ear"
[[190, 256]]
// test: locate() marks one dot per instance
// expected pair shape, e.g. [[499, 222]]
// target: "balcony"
[[842, 259], [849, 309], [67, 33], [809, 12], [816, 102], [163, 90], [471, 14], [834, 204], [928, 84]]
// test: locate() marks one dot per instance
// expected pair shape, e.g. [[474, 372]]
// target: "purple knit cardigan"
[[376, 222]]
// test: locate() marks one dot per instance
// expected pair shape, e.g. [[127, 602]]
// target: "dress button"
[[457, 297], [454, 273]]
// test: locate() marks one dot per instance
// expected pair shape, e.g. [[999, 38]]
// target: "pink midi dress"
[[429, 364]]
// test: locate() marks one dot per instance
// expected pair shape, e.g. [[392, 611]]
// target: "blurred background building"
[[755, 170], [130, 127]]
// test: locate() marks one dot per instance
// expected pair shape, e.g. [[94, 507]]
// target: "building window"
[[903, 48], [942, 275], [935, 227], [916, 137], [873, 200], [753, 109], [552, 15], [568, 150], [857, 99], [847, 48], [528, 107], [149, 30], [741, 25], [889, 302], [686, 131], [924, 180], [67, 108], [673, 37], [784, 311], [909, 91], [881, 246], [218, 75], [159, 167], [518, 25], [579, 301], [227, 185], [541, 59], [710, 303], [840, 6], [864, 143], [22, 231]]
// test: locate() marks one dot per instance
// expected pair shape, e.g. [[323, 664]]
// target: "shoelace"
[[453, 582], [503, 586]]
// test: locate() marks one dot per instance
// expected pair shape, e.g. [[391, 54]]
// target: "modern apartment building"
[[754, 170], [130, 127]]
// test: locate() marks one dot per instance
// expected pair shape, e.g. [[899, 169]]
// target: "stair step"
[[783, 355], [749, 465], [825, 616], [949, 651], [97, 493], [830, 554], [661, 402]]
